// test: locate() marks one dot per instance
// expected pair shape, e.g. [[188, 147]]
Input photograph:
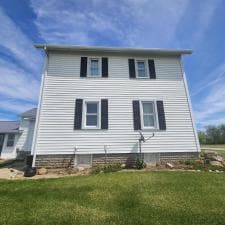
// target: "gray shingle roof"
[[30, 113], [9, 126]]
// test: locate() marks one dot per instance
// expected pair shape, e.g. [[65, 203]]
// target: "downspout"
[[190, 107], [36, 128]]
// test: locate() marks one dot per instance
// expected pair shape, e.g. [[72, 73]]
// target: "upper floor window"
[[94, 67], [91, 114], [148, 115], [10, 140], [141, 69]]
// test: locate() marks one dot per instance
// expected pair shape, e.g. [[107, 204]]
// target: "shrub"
[[108, 168], [140, 164], [189, 162]]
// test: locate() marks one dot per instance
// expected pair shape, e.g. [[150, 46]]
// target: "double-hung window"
[[92, 114], [94, 66], [10, 140], [141, 69], [148, 115]]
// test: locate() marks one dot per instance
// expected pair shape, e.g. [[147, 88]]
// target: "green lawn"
[[181, 198]]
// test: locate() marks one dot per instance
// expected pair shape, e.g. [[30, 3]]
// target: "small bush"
[[140, 164], [108, 168], [189, 162]]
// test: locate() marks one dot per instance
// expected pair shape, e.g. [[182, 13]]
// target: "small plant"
[[108, 168], [140, 164], [189, 162]]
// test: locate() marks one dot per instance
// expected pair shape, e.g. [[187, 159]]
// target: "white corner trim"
[[36, 127], [190, 108]]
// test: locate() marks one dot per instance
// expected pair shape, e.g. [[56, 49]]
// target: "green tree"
[[212, 134], [222, 134], [202, 137]]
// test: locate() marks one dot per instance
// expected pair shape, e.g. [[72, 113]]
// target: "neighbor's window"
[[92, 114], [148, 115], [10, 141], [141, 69], [94, 67]]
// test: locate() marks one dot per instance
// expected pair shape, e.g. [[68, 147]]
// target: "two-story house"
[[94, 101]]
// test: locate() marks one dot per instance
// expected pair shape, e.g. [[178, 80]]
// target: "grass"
[[139, 198], [220, 149]]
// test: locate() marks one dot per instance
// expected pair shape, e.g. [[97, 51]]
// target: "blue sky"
[[198, 25]]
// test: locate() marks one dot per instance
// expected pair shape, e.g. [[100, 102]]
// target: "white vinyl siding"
[[26, 137], [9, 152], [63, 85]]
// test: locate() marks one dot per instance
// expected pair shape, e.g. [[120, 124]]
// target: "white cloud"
[[211, 79], [211, 108], [19, 45], [15, 106], [20, 70], [16, 83], [142, 23]]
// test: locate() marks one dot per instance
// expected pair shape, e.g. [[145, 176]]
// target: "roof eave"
[[113, 50]]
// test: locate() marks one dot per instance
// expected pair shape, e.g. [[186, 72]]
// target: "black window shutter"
[[136, 115], [161, 115], [104, 67], [78, 114], [83, 67], [131, 68], [151, 67], [104, 114]]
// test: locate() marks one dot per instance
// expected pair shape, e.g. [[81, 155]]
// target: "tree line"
[[212, 135]]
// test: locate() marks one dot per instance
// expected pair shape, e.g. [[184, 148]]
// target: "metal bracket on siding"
[[143, 139]]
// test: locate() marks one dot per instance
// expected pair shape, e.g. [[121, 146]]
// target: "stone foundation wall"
[[177, 156], [54, 161], [128, 159], [65, 161]]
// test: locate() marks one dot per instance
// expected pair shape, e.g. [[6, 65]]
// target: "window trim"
[[156, 127], [84, 114], [99, 67], [11, 140], [146, 68]]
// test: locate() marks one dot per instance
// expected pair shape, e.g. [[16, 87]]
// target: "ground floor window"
[[148, 114], [92, 114], [10, 140]]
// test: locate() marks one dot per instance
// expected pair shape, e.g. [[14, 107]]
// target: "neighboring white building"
[[16, 136], [95, 100]]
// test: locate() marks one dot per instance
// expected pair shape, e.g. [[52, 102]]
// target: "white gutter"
[[103, 49], [36, 128]]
